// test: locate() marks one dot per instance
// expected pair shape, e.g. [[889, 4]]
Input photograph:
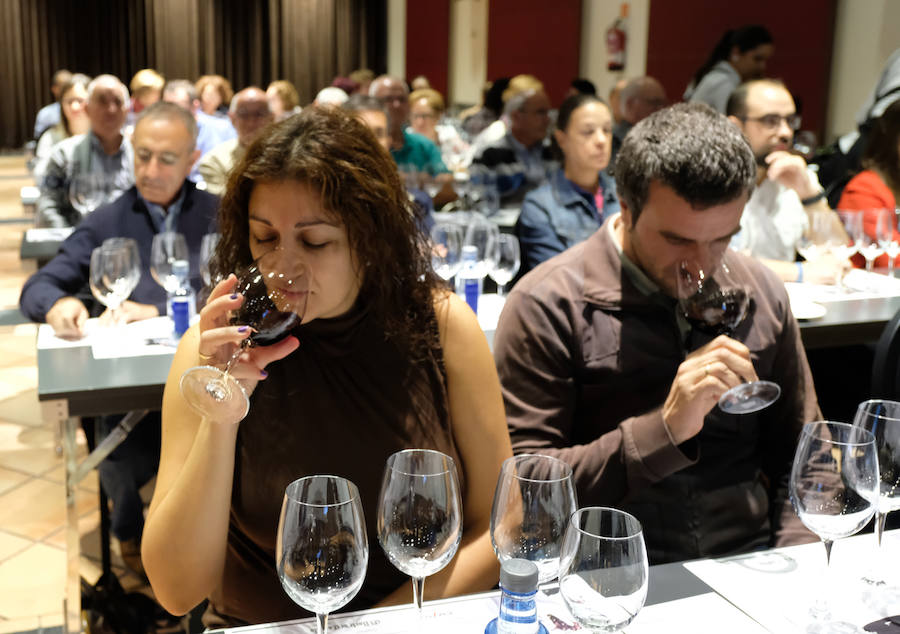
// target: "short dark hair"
[[689, 148], [172, 112], [882, 150], [567, 107], [737, 102], [584, 86]]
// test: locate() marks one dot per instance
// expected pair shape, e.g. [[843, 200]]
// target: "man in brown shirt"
[[600, 368]]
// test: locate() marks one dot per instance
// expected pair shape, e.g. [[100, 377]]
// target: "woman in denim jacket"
[[579, 197]]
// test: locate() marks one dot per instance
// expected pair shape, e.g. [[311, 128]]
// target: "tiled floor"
[[32, 496]]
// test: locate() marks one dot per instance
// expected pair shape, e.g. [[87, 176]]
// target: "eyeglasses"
[[772, 121]]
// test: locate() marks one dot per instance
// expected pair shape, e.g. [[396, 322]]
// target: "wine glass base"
[[747, 398], [831, 627], [216, 396]]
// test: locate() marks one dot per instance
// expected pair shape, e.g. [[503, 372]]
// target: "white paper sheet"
[[137, 339], [859, 284], [777, 588]]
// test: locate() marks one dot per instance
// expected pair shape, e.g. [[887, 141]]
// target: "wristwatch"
[[812, 199]]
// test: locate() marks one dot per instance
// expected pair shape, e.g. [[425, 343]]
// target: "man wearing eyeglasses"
[[787, 196], [249, 113]]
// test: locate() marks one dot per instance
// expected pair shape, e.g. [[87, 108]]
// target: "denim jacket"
[[556, 216]]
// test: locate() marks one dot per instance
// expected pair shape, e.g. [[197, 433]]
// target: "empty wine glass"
[[834, 490], [886, 231], [853, 225], [882, 418], [446, 249], [507, 261], [603, 569], [87, 191], [321, 551], [870, 248], [533, 502], [483, 235], [274, 290], [115, 272], [419, 514], [207, 249], [167, 248], [716, 304]]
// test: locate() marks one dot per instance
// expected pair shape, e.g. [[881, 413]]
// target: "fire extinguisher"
[[616, 37]]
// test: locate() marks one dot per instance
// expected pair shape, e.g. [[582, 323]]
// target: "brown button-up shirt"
[[586, 359]]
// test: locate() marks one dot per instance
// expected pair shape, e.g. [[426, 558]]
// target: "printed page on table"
[[777, 588], [139, 338]]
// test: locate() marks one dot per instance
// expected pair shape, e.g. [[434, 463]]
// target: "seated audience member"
[[407, 148], [615, 102], [600, 369], [49, 115], [346, 84], [73, 99], [477, 118], [741, 55], [103, 151], [639, 98], [521, 158], [420, 82], [249, 114], [386, 359], [426, 109], [283, 99], [373, 114], [146, 89], [495, 132], [330, 96], [160, 200], [211, 131], [787, 194], [363, 78], [579, 196], [580, 86], [215, 93], [877, 187]]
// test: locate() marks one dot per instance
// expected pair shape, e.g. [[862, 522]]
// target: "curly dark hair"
[[358, 182], [689, 148]]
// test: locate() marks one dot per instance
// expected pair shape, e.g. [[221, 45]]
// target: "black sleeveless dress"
[[343, 402]]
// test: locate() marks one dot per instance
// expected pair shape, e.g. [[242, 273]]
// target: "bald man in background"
[[640, 97]]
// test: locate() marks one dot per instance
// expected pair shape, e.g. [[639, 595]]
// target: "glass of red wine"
[[274, 290], [715, 303]]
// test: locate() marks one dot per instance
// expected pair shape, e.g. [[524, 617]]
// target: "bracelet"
[[799, 272], [813, 199]]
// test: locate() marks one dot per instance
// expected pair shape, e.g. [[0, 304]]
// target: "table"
[[767, 591], [42, 244], [73, 383]]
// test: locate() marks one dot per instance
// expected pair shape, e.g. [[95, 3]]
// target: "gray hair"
[[689, 148], [181, 84], [108, 79], [517, 102], [383, 79], [170, 112]]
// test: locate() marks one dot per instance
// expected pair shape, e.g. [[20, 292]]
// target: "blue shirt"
[[47, 117]]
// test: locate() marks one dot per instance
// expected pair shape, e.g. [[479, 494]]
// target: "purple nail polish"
[[263, 373], [234, 296], [242, 329]]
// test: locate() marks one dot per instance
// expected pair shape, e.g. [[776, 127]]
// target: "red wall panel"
[[537, 37], [428, 41], [803, 30]]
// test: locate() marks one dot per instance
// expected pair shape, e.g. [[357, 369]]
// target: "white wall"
[[468, 50], [596, 17], [866, 33], [396, 37]]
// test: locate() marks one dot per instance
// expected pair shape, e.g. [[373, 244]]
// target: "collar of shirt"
[[163, 219], [97, 147], [531, 157]]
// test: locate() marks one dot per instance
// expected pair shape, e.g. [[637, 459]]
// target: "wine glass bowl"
[[207, 248], [533, 501], [115, 271], [321, 547], [419, 514], [446, 249], [716, 304], [167, 248], [274, 292], [885, 231], [603, 570], [507, 260]]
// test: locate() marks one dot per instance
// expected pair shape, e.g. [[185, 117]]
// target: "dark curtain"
[[251, 43]]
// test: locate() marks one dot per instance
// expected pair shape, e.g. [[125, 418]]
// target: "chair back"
[[886, 367]]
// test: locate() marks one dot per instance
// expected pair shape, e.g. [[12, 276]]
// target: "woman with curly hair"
[[385, 359], [215, 93]]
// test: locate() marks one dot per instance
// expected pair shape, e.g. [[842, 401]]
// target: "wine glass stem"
[[880, 519], [869, 264], [501, 289], [418, 584], [237, 355], [322, 623], [821, 610]]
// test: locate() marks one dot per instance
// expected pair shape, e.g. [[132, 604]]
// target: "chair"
[[886, 367]]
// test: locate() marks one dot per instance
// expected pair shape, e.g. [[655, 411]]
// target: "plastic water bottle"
[[518, 609], [182, 303], [469, 280]]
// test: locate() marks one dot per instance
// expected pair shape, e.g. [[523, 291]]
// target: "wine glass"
[[533, 502], [274, 290], [321, 551], [446, 249], [870, 248], [419, 514], [115, 272], [87, 191], [886, 230], [207, 249], [507, 261], [853, 225], [716, 304], [834, 490], [603, 569], [483, 235], [882, 418], [167, 248]]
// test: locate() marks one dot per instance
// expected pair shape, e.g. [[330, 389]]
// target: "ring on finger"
[[207, 359]]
